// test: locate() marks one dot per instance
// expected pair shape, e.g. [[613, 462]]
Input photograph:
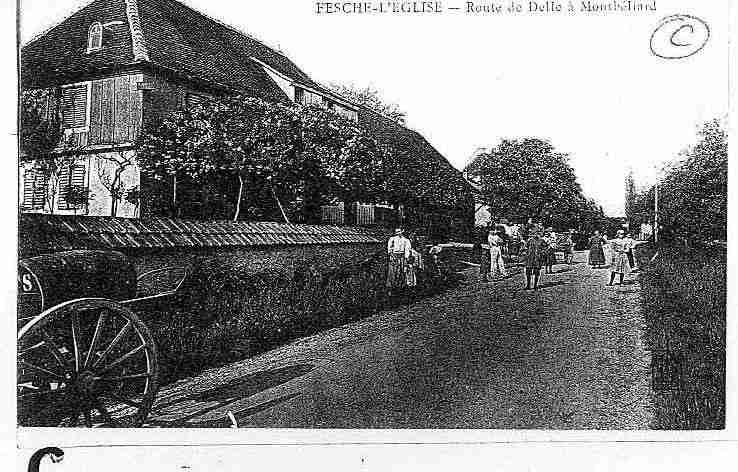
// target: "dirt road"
[[484, 355]]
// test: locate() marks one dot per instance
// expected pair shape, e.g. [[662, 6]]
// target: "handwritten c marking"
[[671, 40], [668, 40]]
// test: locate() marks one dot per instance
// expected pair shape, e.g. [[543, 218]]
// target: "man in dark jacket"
[[535, 256]]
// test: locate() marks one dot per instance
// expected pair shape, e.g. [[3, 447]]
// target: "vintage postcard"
[[313, 222]]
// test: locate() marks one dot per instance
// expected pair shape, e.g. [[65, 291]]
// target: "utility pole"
[[656, 213]]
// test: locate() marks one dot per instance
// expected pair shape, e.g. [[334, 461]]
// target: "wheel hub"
[[86, 382]]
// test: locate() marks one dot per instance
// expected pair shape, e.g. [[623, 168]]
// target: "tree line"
[[693, 192]]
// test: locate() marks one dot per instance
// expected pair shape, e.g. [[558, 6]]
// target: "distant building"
[[482, 215]]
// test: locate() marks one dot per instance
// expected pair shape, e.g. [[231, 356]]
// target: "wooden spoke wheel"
[[87, 362]]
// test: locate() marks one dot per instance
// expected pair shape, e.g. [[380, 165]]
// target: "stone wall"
[[256, 259]]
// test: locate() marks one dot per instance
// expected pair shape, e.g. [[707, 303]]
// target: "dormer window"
[[94, 37]]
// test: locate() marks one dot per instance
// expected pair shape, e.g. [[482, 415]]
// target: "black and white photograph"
[[389, 216]]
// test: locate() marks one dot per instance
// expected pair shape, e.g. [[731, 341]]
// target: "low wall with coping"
[[160, 242]]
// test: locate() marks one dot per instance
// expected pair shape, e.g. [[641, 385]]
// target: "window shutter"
[[63, 188], [192, 100], [72, 176], [74, 106], [34, 189], [29, 179]]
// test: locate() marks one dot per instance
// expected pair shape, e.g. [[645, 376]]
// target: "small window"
[[94, 37], [74, 106]]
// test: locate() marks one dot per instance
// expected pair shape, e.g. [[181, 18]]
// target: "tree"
[[177, 147], [694, 203], [41, 140], [527, 178], [630, 197], [370, 98], [304, 154], [133, 197], [110, 168], [77, 196], [40, 130]]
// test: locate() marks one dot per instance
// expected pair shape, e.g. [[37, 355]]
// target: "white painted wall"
[[100, 201]]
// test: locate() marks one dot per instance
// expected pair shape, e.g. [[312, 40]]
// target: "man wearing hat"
[[398, 250]]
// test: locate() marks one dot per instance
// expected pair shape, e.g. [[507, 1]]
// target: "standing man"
[[535, 254], [398, 251], [496, 264]]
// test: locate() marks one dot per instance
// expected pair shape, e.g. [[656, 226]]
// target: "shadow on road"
[[227, 394], [551, 284]]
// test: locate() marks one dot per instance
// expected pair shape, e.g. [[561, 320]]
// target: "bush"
[[226, 313], [684, 304]]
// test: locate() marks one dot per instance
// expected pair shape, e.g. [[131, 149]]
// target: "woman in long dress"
[[551, 251], [619, 265], [596, 252], [413, 266], [568, 246]]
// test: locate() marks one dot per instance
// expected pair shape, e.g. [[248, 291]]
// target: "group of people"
[[491, 260], [405, 262], [538, 252], [622, 258]]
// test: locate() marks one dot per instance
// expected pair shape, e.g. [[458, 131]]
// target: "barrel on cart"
[[84, 357]]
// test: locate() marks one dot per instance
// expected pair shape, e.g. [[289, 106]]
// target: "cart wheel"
[[89, 362]]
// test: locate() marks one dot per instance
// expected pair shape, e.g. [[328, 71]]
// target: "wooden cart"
[[84, 357]]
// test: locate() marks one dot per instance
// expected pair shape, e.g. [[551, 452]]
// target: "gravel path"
[[484, 355]]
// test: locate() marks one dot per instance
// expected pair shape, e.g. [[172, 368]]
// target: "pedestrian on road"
[[435, 262], [568, 246], [496, 264], [505, 239], [596, 252], [631, 246], [619, 264], [414, 265], [550, 239], [481, 255], [535, 251], [398, 252]]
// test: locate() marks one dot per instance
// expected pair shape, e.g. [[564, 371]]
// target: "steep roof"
[[60, 54], [163, 33], [389, 132]]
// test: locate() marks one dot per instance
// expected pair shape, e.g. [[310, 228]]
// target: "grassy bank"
[[227, 313], [684, 304]]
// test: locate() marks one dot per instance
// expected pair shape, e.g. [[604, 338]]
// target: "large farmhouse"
[[116, 65]]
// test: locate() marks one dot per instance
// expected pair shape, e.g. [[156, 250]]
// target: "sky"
[[587, 82]]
